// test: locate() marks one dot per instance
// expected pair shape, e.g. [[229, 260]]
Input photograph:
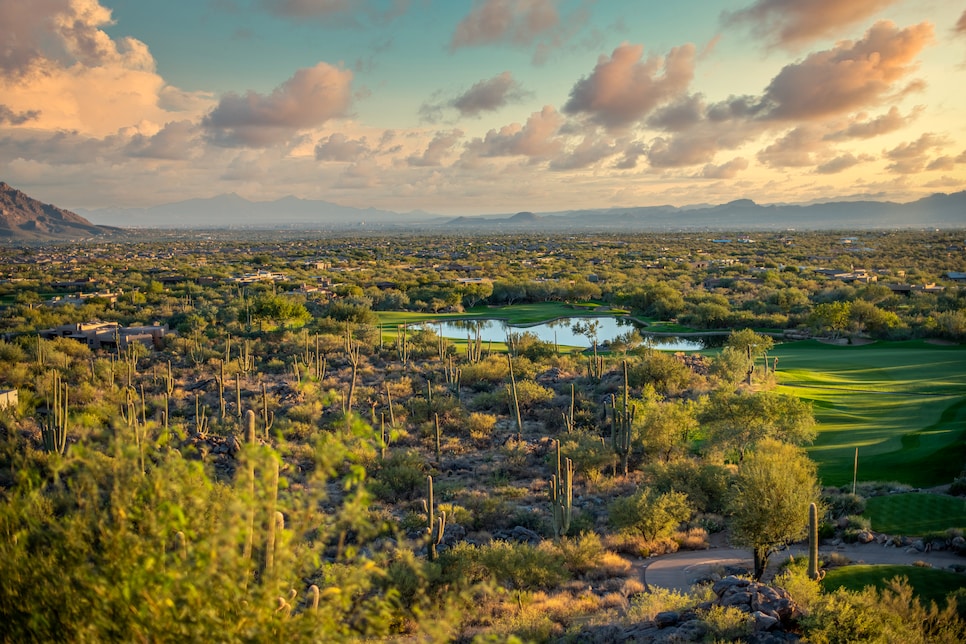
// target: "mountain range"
[[232, 211], [24, 218]]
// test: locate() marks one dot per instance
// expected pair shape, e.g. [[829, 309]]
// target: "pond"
[[563, 333]]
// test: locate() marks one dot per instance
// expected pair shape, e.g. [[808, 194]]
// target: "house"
[[956, 275], [9, 398], [98, 335]]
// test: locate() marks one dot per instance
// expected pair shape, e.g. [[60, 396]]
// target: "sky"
[[482, 106]]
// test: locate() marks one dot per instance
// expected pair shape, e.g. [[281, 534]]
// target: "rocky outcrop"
[[771, 616]]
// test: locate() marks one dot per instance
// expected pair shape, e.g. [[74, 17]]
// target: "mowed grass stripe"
[[928, 584], [916, 514], [903, 404]]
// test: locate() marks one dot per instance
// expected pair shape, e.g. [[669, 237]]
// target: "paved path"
[[679, 570]]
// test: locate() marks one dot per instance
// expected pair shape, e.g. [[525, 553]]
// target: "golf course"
[[902, 404]]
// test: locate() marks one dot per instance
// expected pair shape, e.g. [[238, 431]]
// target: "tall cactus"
[[268, 417], [514, 399], [621, 428], [562, 495], [568, 418], [813, 571], [435, 525]]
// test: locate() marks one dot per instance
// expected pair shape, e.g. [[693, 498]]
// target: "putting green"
[[903, 404]]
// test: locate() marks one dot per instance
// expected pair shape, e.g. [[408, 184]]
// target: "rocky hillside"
[[25, 218]]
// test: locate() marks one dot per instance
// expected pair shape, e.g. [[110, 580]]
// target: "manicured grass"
[[903, 404], [929, 584], [916, 514]]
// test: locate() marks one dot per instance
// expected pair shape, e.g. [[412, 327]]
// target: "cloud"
[[7, 115], [793, 23], [589, 151], [339, 147], [866, 129], [622, 89], [795, 149], [310, 98], [680, 115], [960, 27], [437, 149], [535, 139], [941, 163], [60, 68], [850, 76], [339, 12], [728, 170], [173, 142], [629, 158], [841, 163], [517, 22], [489, 95], [908, 158]]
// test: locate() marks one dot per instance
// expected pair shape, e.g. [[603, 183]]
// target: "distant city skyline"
[[489, 106]]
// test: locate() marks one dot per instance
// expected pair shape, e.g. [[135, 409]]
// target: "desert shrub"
[[646, 606], [483, 375], [649, 512], [587, 450], [480, 426], [866, 489], [516, 566], [401, 476], [958, 486], [705, 484], [727, 623], [842, 504], [581, 553], [487, 511], [691, 539], [794, 578]]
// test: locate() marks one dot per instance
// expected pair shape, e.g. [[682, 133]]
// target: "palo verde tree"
[[737, 420], [770, 497]]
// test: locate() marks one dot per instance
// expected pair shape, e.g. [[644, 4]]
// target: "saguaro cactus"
[[435, 525], [622, 423], [514, 399], [813, 571], [54, 430], [562, 495]]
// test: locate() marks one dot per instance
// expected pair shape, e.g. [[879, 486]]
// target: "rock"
[[723, 585], [864, 536], [666, 618], [736, 598], [919, 545], [765, 622]]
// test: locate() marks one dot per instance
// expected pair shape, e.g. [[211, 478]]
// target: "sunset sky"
[[483, 106]]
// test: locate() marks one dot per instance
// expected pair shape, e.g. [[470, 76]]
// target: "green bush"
[[402, 476], [653, 514], [705, 484]]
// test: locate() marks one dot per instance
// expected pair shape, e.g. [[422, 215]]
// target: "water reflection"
[[576, 332]]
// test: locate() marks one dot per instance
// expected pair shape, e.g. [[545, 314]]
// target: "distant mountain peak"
[[23, 217]]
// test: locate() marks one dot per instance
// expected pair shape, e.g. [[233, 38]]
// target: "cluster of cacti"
[[595, 366], [436, 525], [201, 418], [402, 343], [54, 430], [621, 427], [474, 347], [562, 495], [452, 374], [167, 380]]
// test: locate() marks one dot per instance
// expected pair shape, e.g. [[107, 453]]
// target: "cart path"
[[679, 570]]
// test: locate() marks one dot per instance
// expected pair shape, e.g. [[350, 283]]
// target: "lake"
[[562, 332]]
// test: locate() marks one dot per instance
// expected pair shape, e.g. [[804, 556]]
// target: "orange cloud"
[[792, 23], [851, 75], [623, 89], [311, 97], [534, 139], [518, 22]]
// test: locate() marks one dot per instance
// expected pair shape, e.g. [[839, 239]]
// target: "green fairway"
[[903, 404], [916, 514], [929, 584]]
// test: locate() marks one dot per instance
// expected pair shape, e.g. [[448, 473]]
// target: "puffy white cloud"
[[310, 98], [437, 149], [535, 139]]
